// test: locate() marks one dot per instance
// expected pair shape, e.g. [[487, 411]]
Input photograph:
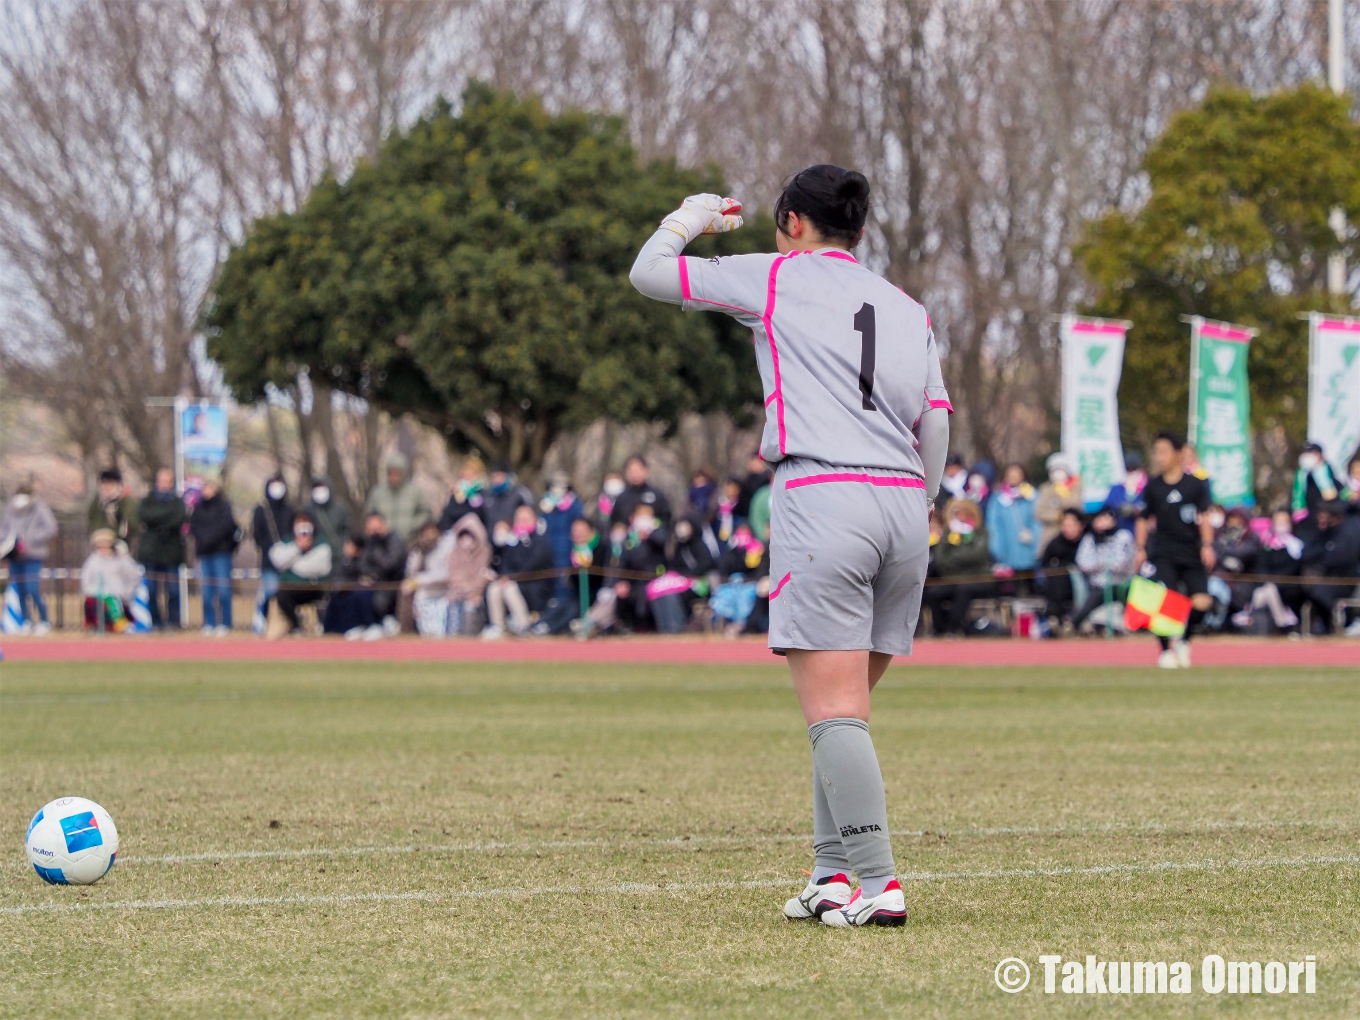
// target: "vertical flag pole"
[[1192, 422], [180, 405], [1336, 78]]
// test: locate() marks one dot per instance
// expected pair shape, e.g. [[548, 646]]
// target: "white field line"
[[303, 853], [644, 888]]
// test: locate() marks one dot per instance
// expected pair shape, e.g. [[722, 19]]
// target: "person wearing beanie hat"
[[112, 507], [1062, 492]]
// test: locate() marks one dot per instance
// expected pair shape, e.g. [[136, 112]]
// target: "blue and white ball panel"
[[72, 841]]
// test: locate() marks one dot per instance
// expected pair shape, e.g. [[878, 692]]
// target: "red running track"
[[679, 650]]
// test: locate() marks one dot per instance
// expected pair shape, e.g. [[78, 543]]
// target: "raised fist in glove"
[[704, 214]]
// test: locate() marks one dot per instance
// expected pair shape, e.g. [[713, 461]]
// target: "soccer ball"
[[71, 841]]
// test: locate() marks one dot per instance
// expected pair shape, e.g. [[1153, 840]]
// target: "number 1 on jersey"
[[864, 325]]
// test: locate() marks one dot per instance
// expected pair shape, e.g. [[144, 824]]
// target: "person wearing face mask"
[[560, 507], [331, 515], [521, 555], [686, 552], [26, 532], [962, 566], [1239, 552], [1061, 492], [954, 481], [1105, 558], [1126, 498], [382, 565], [980, 481], [644, 553], [503, 496], [271, 522], [1314, 483], [602, 509], [1280, 555], [304, 564], [640, 492], [467, 492], [1059, 557]]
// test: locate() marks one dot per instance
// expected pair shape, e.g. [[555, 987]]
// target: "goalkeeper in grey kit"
[[857, 426]]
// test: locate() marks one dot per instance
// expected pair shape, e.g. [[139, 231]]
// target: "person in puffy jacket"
[[26, 532], [1106, 557], [213, 529], [520, 547], [962, 565], [108, 580], [271, 523], [1012, 529]]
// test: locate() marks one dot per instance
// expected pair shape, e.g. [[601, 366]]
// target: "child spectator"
[[561, 508], [960, 554], [610, 490], [726, 521], [1059, 557], [398, 499], [382, 564], [522, 559], [1105, 557], [1061, 492], [589, 595], [215, 538], [469, 572], [1281, 551], [113, 508], [160, 547], [1012, 532], [466, 493], [304, 567], [644, 554], [271, 523], [108, 580], [422, 604], [349, 610], [1238, 551], [745, 568]]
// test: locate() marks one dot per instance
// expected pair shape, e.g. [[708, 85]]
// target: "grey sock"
[[826, 838], [846, 769]]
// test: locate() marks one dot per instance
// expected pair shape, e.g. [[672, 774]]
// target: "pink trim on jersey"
[[768, 320], [780, 586], [684, 280], [836, 253], [931, 405], [770, 398], [888, 481]]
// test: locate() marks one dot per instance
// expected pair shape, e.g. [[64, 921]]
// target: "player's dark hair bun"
[[836, 200]]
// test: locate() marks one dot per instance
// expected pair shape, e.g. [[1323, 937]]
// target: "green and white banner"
[[1092, 359], [1220, 408], [1334, 386]]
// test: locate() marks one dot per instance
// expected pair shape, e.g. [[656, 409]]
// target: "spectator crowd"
[[498, 560]]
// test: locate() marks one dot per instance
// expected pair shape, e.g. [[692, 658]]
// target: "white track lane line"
[[640, 888]]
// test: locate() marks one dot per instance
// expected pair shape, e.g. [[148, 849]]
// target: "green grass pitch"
[[326, 840]]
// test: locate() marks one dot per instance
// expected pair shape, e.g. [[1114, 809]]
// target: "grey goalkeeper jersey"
[[848, 361]]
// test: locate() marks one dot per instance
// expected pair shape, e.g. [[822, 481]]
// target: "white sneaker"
[[221, 630], [492, 634], [41, 629], [206, 631], [1182, 649], [1168, 660], [819, 897], [1353, 630], [886, 911], [374, 633], [390, 626], [354, 634]]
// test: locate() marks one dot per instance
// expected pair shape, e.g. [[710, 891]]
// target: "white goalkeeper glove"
[[704, 214]]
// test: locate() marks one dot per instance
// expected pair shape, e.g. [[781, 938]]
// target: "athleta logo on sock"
[[859, 830]]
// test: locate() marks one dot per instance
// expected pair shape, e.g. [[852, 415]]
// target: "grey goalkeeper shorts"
[[848, 554]]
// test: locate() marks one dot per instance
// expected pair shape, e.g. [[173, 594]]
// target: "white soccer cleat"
[[888, 910], [1168, 660], [814, 901], [1182, 649]]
